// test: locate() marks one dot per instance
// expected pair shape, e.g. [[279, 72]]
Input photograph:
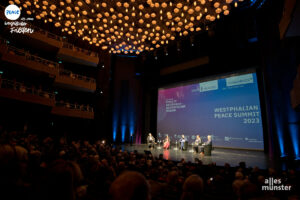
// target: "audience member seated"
[[193, 188], [130, 186], [35, 168]]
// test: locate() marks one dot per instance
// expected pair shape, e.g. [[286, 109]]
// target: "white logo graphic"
[[12, 12], [208, 86], [272, 184], [239, 80]]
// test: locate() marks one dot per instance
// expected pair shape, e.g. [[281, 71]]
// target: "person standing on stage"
[[167, 143], [197, 143], [182, 141], [150, 141]]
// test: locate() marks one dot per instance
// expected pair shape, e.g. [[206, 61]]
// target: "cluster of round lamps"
[[131, 26]]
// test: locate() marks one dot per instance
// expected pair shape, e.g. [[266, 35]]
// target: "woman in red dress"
[[167, 143]]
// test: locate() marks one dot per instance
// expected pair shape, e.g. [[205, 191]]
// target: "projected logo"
[[239, 80], [12, 12], [208, 86]]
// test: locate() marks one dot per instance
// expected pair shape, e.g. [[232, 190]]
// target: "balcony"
[[18, 91], [73, 54], [24, 59], [69, 80], [73, 110], [45, 40], [63, 78]]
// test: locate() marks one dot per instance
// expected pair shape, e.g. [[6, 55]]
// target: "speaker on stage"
[[207, 150], [185, 145]]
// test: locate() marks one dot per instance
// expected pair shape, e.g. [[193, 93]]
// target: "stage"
[[220, 156]]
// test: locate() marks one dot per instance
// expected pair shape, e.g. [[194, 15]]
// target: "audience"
[[192, 188], [130, 186], [58, 168]]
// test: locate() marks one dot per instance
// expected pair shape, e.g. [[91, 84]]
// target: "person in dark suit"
[[207, 143], [197, 143], [150, 141]]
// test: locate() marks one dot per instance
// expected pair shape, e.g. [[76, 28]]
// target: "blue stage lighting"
[[123, 130], [294, 131]]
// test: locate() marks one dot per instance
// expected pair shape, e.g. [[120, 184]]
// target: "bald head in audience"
[[130, 186]]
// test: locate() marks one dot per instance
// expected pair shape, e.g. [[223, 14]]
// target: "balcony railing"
[[70, 74], [17, 86], [12, 89], [50, 66], [46, 33], [73, 110], [84, 51], [19, 52], [78, 107]]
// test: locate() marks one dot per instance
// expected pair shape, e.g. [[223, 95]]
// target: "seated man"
[[150, 141], [207, 143]]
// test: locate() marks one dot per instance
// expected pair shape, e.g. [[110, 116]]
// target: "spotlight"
[[155, 57]]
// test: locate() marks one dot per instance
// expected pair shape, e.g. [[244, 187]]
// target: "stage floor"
[[219, 156]]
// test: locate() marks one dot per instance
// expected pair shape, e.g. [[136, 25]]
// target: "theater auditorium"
[[149, 99]]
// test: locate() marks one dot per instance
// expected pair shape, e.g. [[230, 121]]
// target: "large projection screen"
[[226, 107]]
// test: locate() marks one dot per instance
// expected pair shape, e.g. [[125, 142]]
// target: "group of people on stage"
[[151, 141], [198, 145]]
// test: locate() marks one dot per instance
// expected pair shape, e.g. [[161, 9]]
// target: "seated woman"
[[197, 144], [167, 143]]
